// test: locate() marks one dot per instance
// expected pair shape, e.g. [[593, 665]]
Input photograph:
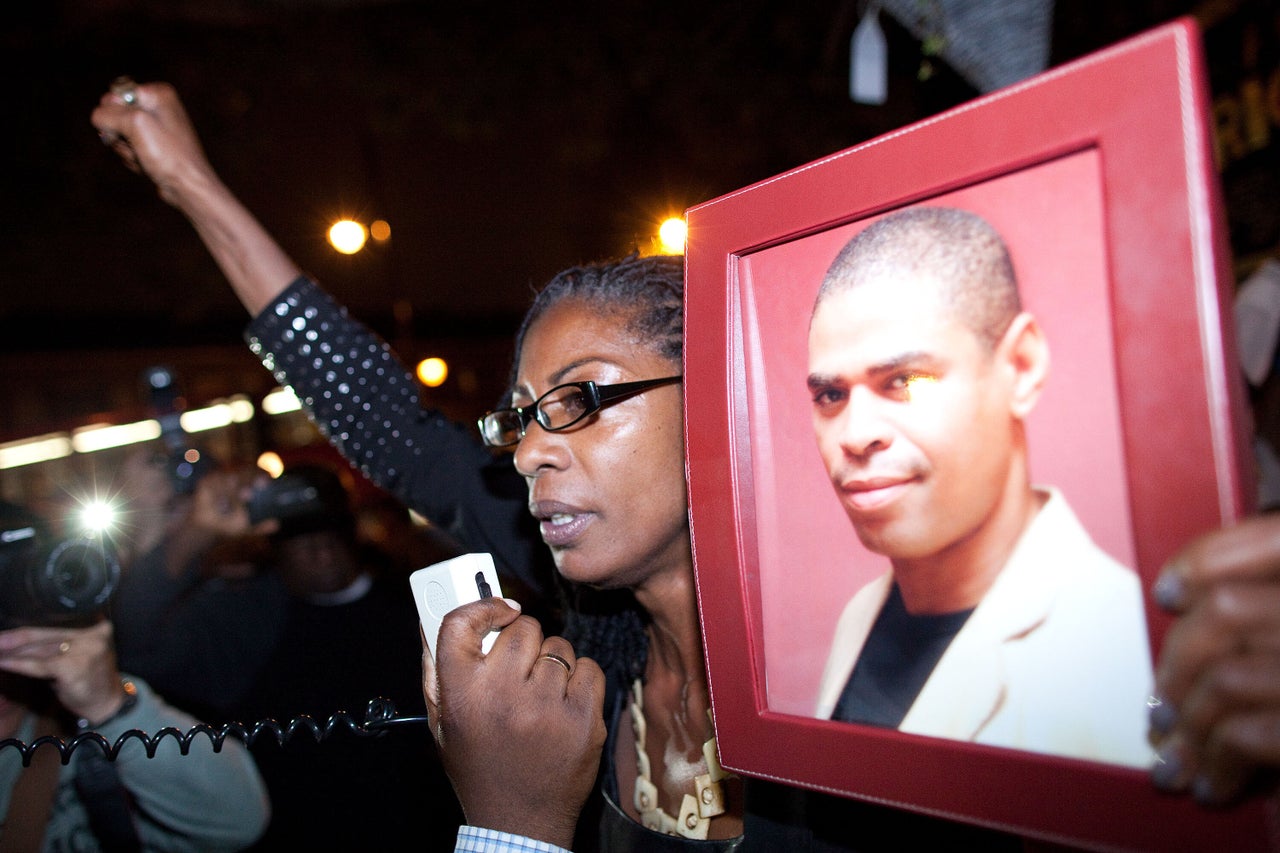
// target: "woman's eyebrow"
[[558, 377]]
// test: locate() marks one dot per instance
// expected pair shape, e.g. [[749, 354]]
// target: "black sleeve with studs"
[[365, 401]]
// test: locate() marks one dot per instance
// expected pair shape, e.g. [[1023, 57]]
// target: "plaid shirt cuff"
[[475, 839]]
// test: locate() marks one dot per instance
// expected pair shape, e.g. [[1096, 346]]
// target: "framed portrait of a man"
[[953, 397]]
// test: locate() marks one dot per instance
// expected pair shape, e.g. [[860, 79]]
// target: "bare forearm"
[[255, 265]]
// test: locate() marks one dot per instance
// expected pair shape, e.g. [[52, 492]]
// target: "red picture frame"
[[1099, 175]]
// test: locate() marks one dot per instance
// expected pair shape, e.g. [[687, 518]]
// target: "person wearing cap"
[[348, 634], [1000, 621], [260, 605]]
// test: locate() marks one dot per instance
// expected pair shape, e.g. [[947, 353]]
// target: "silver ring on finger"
[[127, 89]]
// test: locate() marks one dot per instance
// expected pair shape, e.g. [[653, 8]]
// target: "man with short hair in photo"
[[1000, 621]]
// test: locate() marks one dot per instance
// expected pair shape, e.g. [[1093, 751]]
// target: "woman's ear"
[[1025, 351]]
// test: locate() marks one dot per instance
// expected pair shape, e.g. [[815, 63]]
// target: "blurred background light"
[[235, 410], [271, 463], [29, 451], [280, 401], [432, 372], [671, 235], [347, 236], [93, 438]]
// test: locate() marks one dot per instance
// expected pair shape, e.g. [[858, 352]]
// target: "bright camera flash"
[[97, 515]]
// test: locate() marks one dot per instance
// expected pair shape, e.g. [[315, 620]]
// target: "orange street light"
[[433, 371], [347, 236], [671, 235]]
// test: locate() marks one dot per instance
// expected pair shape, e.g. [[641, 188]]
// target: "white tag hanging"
[[869, 60]]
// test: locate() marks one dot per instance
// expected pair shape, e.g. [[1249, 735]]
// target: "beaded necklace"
[[697, 809]]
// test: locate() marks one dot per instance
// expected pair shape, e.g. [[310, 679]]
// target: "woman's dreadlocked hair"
[[648, 292]]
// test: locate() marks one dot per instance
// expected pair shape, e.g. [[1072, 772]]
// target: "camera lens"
[[78, 577], [66, 582]]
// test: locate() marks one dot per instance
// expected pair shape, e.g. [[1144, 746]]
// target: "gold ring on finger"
[[552, 656]]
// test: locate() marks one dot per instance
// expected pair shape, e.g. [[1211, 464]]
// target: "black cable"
[[380, 715]]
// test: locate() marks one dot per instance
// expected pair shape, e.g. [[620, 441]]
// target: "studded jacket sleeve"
[[365, 401]]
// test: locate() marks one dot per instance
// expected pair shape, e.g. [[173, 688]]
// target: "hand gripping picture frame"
[[1098, 180]]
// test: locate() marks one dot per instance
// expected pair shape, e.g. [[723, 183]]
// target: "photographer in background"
[[259, 603], [196, 614], [350, 634], [58, 676]]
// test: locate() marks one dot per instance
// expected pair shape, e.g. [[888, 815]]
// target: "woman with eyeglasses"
[[596, 426], [617, 705], [596, 431]]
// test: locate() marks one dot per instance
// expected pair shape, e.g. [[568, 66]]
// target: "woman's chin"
[[579, 569]]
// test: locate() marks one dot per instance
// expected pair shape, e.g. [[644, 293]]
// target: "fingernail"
[[514, 605], [1162, 716], [1166, 773], [1169, 591]]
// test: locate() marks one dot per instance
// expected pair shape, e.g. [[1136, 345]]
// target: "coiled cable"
[[380, 715]]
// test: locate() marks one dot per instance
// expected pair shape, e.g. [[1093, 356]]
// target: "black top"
[[198, 642], [897, 659], [350, 791]]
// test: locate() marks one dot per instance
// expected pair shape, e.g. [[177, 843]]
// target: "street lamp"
[[347, 236], [432, 372], [671, 235]]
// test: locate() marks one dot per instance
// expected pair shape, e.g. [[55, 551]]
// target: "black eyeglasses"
[[560, 408]]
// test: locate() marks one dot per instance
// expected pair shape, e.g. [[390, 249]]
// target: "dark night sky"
[[503, 141]]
